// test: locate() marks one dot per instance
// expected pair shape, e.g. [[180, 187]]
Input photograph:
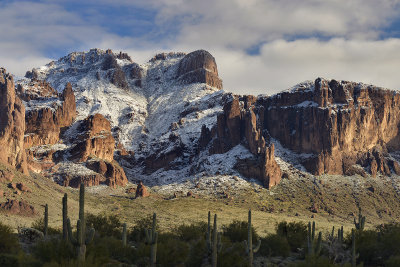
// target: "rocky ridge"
[[168, 119]]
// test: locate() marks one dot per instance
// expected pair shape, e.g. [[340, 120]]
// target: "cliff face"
[[12, 124], [238, 124], [47, 112], [199, 67], [97, 140], [339, 123]]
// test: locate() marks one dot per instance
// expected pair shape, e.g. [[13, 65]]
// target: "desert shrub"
[[232, 255], [274, 245], [137, 233], [172, 252], [316, 262], [53, 250], [393, 261], [8, 240], [191, 232], [389, 240], [109, 248], [198, 251], [367, 246], [9, 260], [237, 231], [39, 225], [294, 232], [105, 225]]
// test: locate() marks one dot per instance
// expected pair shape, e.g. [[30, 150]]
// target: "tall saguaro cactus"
[[353, 249], [124, 235], [46, 219], [214, 244], [250, 249], [80, 241], [361, 221], [65, 216], [151, 239], [313, 250]]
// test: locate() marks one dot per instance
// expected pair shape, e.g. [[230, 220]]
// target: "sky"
[[260, 46]]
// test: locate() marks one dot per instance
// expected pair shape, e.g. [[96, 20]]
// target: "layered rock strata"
[[12, 124]]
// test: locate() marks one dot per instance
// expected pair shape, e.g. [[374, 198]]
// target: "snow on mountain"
[[154, 114]]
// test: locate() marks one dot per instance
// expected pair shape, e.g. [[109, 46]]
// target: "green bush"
[[39, 225], [138, 231], [198, 251], [274, 245], [237, 231], [232, 255], [105, 225], [109, 248], [389, 239], [172, 252], [191, 232], [8, 240], [294, 232], [393, 261], [53, 250]]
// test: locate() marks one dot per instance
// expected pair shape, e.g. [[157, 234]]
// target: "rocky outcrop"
[[44, 122], [199, 67], [96, 140], [238, 124], [113, 173], [337, 122], [17, 207], [141, 190], [12, 124]]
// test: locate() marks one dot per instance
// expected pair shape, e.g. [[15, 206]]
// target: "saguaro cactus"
[[46, 219], [80, 241], [361, 221], [313, 250], [151, 239], [353, 249], [214, 244], [124, 238], [65, 216], [250, 249]]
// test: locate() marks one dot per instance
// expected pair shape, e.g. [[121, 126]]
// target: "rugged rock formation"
[[22, 208], [97, 140], [141, 190], [113, 173], [12, 124], [45, 121], [336, 122], [199, 67], [238, 125]]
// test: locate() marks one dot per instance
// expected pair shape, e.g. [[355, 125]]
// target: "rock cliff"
[[12, 124], [338, 123], [47, 113]]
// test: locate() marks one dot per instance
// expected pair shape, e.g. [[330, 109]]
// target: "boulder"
[[141, 190], [12, 124]]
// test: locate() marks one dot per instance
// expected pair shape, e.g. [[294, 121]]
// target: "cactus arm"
[[90, 236], [257, 247], [313, 231], [319, 241], [71, 237]]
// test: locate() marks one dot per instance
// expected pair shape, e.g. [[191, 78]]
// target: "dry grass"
[[337, 199]]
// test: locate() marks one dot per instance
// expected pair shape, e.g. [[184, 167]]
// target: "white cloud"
[[283, 64], [347, 46]]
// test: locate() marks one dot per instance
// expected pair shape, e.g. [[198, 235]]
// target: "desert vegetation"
[[104, 240]]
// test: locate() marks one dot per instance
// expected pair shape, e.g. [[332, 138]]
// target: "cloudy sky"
[[261, 46]]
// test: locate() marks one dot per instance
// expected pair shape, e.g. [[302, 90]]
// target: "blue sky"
[[261, 46]]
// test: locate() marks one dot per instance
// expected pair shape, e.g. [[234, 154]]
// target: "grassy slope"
[[289, 201]]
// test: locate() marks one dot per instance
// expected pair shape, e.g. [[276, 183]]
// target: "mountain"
[[100, 118]]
